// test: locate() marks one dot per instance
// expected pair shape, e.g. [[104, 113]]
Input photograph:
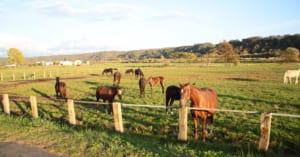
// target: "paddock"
[[247, 87], [265, 117]]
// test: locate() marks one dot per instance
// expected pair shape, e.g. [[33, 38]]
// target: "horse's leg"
[[171, 104], [167, 104], [162, 86], [151, 88], [204, 131], [195, 120]]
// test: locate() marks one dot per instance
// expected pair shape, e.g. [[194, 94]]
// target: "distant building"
[[65, 63], [11, 66], [77, 62]]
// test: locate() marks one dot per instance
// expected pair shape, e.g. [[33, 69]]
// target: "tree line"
[[252, 47]]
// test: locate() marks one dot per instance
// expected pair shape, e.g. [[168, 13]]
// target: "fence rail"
[[117, 113]]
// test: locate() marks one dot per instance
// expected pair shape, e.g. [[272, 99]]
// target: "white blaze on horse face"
[[184, 97]]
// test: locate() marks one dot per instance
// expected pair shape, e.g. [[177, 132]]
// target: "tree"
[[15, 56], [291, 54], [227, 53]]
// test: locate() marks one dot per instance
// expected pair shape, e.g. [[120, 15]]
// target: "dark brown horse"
[[172, 93], [60, 88], [142, 85], [200, 98], [129, 72], [157, 80], [108, 94], [108, 71], [138, 73], [117, 78]]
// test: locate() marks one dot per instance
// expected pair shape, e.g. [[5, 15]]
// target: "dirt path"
[[9, 149]]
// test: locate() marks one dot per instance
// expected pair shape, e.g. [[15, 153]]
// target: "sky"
[[54, 27]]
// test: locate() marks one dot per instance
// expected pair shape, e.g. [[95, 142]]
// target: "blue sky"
[[53, 27]]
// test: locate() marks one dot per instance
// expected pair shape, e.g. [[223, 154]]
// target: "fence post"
[[72, 117], [34, 108], [182, 123], [118, 117], [265, 129], [33, 75], [44, 74], [1, 75], [5, 102], [13, 76], [24, 76]]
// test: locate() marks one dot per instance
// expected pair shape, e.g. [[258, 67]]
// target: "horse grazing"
[[138, 73], [142, 85], [117, 78], [108, 71], [60, 88], [289, 74], [129, 72], [156, 80], [108, 94], [200, 98], [172, 93]]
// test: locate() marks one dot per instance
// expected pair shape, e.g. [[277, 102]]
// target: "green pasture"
[[149, 131]]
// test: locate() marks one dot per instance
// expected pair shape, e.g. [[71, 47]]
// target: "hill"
[[253, 47]]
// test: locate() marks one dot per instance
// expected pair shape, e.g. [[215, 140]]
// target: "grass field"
[[149, 131]]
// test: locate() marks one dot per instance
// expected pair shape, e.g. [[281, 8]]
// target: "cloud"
[[25, 44], [81, 46], [106, 11]]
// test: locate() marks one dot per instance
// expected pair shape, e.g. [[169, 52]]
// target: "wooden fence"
[[265, 126]]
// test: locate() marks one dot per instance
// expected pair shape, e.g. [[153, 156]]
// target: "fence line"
[[265, 125]]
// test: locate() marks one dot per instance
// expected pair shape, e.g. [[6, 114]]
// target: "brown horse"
[[142, 85], [129, 72], [108, 71], [172, 93], [200, 98], [60, 88], [108, 94], [138, 73], [156, 80], [117, 78]]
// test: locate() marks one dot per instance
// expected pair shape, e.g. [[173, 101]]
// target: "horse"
[[108, 71], [201, 98], [156, 80], [117, 78], [172, 93], [108, 94], [60, 88], [138, 73], [142, 85], [129, 72], [289, 74]]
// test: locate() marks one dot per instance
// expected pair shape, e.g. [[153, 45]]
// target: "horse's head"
[[185, 90]]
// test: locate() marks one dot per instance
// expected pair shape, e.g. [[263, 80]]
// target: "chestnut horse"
[[60, 88], [172, 93], [129, 72], [142, 85], [108, 94], [138, 73], [156, 80], [200, 98], [117, 78]]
